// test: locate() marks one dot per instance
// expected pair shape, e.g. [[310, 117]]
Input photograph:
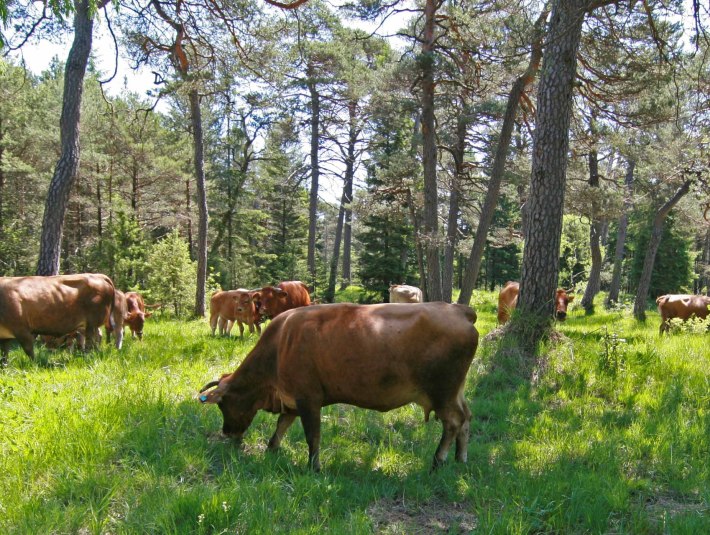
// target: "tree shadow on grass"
[[551, 463]]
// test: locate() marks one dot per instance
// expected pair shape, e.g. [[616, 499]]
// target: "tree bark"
[[615, 285], [65, 172], [345, 200], [473, 265], [452, 225], [429, 156], [540, 267], [197, 137], [595, 230], [654, 242], [315, 174], [2, 182]]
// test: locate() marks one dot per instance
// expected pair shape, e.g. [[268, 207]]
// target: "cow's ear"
[[147, 314], [570, 298], [254, 296]]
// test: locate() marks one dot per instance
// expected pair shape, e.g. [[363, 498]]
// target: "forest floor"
[[610, 435]]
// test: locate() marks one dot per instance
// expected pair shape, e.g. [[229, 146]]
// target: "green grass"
[[611, 436]]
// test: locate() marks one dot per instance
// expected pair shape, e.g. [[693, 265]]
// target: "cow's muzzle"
[[561, 315]]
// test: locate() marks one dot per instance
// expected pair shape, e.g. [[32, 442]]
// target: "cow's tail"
[[116, 322]]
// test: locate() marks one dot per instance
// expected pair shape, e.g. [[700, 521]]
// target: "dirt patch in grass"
[[398, 516], [661, 506]]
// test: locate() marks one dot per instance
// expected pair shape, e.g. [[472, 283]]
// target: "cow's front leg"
[[310, 418], [285, 421]]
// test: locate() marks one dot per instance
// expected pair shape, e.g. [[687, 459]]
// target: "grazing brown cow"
[[508, 301], [373, 356], [136, 314], [681, 306], [284, 296], [56, 306], [403, 293], [234, 306]]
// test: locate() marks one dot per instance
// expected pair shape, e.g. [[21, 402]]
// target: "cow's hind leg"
[[310, 418], [285, 421], [452, 419]]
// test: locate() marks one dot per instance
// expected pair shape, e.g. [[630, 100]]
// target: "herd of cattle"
[[372, 356]]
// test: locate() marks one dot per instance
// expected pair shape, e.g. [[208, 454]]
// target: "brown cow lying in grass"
[[681, 306], [373, 356]]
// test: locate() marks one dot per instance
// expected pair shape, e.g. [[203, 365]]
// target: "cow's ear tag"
[[203, 398]]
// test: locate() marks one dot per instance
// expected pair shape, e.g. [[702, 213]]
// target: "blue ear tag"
[[203, 398]]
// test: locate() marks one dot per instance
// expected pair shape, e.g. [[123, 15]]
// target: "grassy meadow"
[[609, 434]]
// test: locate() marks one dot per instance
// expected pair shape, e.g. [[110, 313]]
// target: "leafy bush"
[[172, 276]]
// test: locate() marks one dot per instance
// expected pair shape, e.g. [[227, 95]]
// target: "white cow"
[[403, 293]]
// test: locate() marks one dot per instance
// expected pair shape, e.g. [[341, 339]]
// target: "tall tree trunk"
[[540, 267], [615, 285], [188, 210], [595, 230], [473, 265], [418, 246], [429, 156], [347, 244], [99, 210], [197, 137], [653, 243], [65, 172], [452, 225], [345, 200], [2, 181], [315, 175]]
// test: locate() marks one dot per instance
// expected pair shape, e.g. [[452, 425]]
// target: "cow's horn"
[[209, 385]]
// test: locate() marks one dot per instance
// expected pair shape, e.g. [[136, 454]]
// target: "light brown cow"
[[681, 306], [136, 314], [56, 306], [508, 301], [373, 356], [403, 293], [234, 306], [273, 300]]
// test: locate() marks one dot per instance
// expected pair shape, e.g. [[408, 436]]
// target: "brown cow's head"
[[238, 410], [562, 299], [272, 299], [244, 303], [136, 321]]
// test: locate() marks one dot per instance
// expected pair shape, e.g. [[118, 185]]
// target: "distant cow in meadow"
[[56, 306], [508, 301], [273, 300], [403, 293], [134, 314], [376, 357], [681, 306]]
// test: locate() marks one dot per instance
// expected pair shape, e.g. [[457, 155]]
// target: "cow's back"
[[298, 295], [403, 293], [55, 305], [374, 356]]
